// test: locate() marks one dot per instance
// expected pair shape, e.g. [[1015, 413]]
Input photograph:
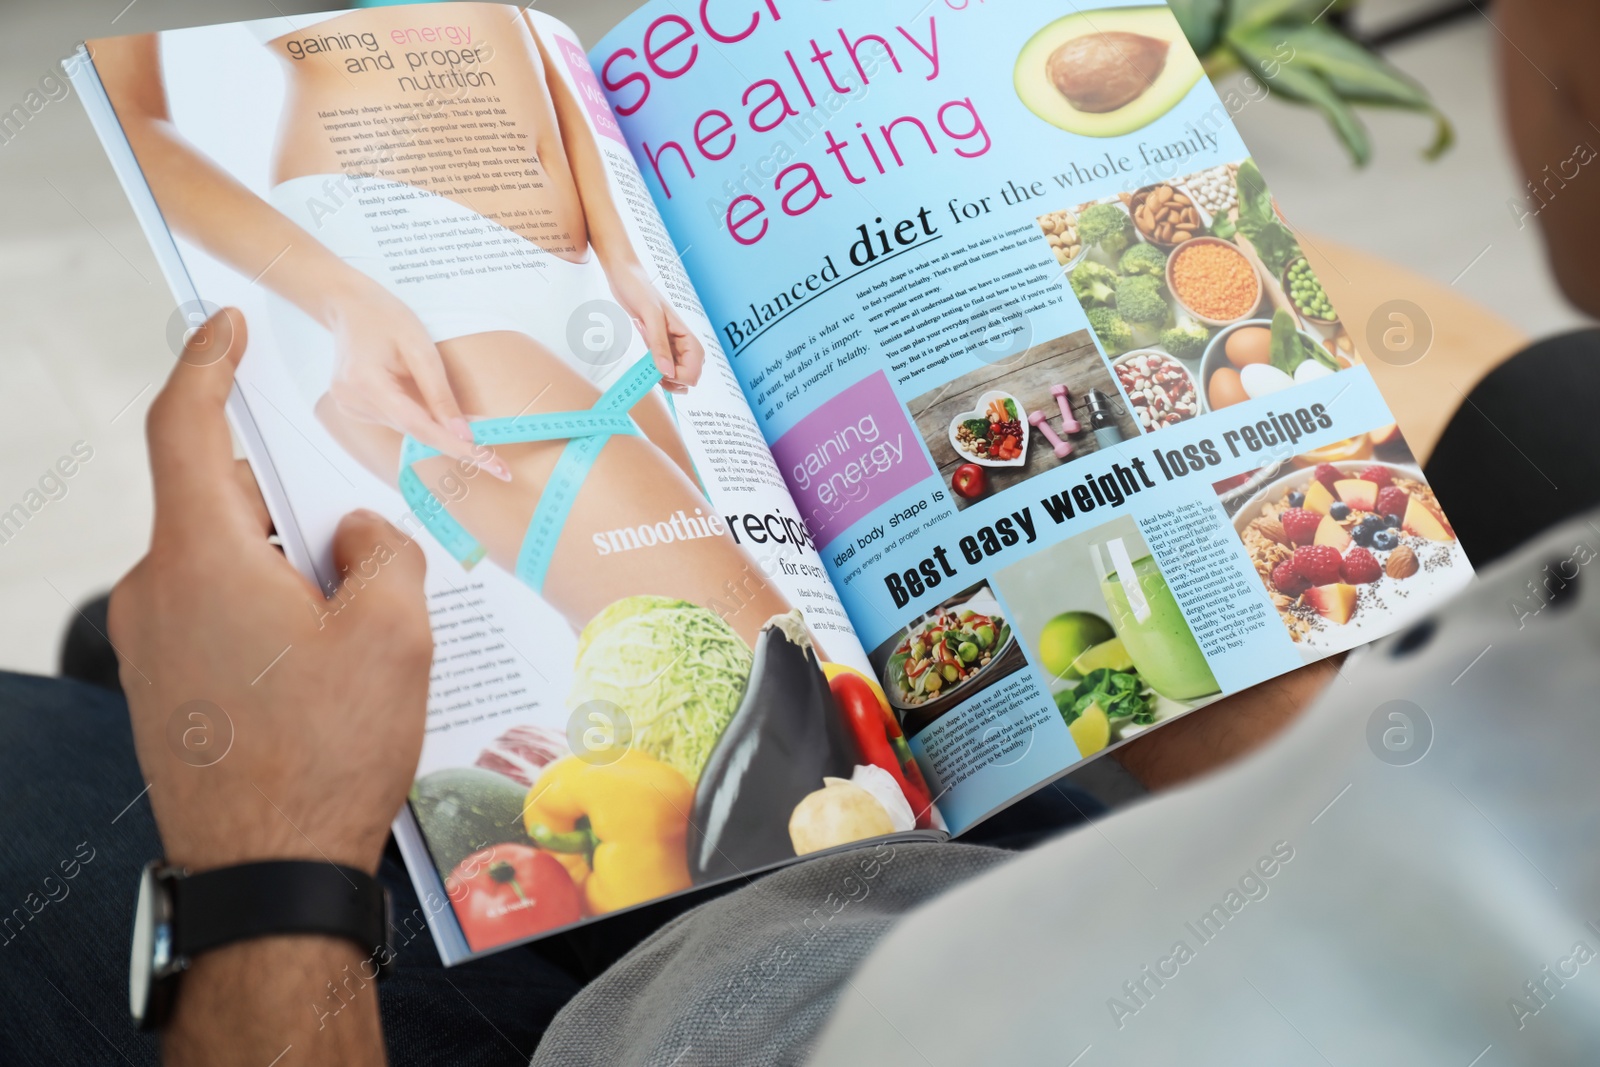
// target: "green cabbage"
[[677, 671]]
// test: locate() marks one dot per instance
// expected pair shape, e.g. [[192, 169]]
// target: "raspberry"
[[1379, 474], [1360, 567], [1327, 474], [1392, 500], [1300, 525], [1287, 580], [1317, 564]]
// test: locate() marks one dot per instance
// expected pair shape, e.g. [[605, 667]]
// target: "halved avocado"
[[1108, 72]]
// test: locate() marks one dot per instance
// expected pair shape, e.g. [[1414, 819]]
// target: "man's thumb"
[[377, 561]]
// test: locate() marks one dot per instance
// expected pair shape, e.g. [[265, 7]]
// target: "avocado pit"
[[1101, 72]]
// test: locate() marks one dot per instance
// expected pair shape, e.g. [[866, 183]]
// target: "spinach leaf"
[[1273, 241]]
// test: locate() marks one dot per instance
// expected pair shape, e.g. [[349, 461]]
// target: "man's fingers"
[[191, 451], [252, 495], [380, 567], [416, 421]]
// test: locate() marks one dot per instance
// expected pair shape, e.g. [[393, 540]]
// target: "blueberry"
[[1296, 499], [1364, 532], [1338, 511], [1391, 520], [1385, 540]]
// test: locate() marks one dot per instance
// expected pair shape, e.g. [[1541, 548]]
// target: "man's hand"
[[270, 723], [1217, 734], [324, 699]]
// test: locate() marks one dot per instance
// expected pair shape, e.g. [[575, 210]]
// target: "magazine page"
[[1071, 420], [464, 314]]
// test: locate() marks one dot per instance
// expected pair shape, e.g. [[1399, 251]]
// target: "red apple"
[[969, 481]]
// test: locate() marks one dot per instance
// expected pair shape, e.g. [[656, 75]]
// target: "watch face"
[[151, 956], [143, 942]]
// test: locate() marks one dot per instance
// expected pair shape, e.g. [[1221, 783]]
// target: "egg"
[[1248, 345], [1225, 388], [1261, 379], [1311, 370]]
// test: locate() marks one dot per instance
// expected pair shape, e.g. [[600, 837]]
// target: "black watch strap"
[[219, 907]]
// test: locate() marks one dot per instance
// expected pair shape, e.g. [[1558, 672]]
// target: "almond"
[[1272, 530], [1402, 563]]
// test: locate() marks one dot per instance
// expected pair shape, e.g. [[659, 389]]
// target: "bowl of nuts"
[[1061, 230], [1164, 216]]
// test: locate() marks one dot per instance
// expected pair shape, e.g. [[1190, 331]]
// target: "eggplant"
[[785, 738]]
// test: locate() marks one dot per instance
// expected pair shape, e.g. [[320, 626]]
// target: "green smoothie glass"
[[1148, 621]]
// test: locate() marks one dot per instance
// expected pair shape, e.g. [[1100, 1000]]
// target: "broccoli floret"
[[1116, 336], [1107, 226], [1094, 284], [1140, 302], [1144, 259], [1186, 342]]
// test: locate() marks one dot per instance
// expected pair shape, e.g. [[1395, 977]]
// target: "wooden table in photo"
[[1071, 360]]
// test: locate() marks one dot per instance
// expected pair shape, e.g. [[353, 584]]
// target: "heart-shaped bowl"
[[980, 413]]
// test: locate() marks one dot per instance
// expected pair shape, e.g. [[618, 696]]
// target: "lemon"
[[1090, 731]]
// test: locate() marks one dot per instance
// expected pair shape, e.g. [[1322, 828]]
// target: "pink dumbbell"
[[1064, 401], [1062, 448]]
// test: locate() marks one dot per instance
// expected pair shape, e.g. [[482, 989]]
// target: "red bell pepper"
[[882, 742]]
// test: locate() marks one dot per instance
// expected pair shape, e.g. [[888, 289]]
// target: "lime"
[[1090, 731], [1066, 637], [1109, 654]]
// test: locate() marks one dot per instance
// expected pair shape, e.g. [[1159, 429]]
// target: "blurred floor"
[[85, 313]]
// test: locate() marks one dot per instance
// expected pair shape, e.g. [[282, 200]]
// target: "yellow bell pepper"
[[617, 827]]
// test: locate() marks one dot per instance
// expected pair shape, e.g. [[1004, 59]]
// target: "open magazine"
[[822, 424]]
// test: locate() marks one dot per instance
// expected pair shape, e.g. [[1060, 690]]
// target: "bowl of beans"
[[1160, 389], [1213, 281]]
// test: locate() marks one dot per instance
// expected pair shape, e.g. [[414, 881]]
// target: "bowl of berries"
[[1348, 551], [994, 434]]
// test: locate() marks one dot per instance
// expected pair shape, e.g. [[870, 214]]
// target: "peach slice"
[[1386, 435], [1423, 521], [1317, 498], [1358, 493], [1331, 533], [1336, 602]]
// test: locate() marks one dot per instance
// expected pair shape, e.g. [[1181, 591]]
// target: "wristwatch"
[[180, 915]]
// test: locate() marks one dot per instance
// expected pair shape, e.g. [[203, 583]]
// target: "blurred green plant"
[[1292, 46]]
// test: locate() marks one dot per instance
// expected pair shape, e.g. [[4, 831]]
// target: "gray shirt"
[[1407, 876]]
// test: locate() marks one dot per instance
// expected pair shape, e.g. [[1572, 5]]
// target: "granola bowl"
[[1397, 554]]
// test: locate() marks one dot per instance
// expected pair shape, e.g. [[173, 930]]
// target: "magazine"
[[822, 425]]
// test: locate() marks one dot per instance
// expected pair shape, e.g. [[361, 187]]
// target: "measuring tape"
[[586, 434]]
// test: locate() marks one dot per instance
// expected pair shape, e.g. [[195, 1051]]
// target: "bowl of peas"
[[1305, 292]]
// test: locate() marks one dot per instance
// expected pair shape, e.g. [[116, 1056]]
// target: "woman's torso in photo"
[[450, 99]]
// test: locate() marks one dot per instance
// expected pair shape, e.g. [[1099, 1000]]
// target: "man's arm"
[[324, 703], [1219, 733]]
